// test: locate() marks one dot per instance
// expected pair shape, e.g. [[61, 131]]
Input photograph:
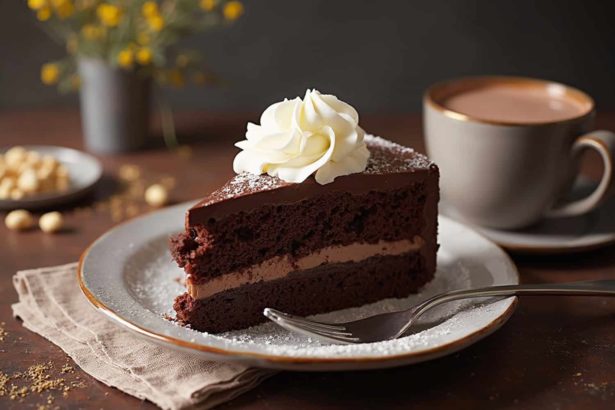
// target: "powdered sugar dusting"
[[385, 157], [389, 157], [152, 279], [244, 183]]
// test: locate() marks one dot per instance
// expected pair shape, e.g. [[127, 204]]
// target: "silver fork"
[[392, 325]]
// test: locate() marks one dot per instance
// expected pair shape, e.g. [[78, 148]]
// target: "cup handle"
[[604, 143]]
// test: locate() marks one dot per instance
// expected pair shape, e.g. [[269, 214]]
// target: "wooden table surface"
[[554, 353]]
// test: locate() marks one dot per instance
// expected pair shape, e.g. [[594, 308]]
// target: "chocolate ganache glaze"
[[390, 166]]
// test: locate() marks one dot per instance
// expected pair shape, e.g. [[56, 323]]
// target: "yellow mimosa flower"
[[199, 78], [50, 73], [65, 11], [208, 5], [143, 38], [125, 58], [233, 10], [182, 60], [176, 78], [63, 8], [72, 44], [109, 14], [144, 56], [37, 4], [150, 9], [92, 32], [43, 14], [84, 4], [156, 23]]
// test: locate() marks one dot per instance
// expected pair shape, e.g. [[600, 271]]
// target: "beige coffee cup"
[[509, 165]]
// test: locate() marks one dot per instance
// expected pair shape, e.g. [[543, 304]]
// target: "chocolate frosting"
[[390, 166]]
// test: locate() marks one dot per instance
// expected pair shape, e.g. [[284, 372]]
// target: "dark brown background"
[[377, 55]]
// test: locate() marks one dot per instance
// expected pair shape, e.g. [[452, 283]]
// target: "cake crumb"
[[168, 317], [39, 380], [4, 379], [128, 198], [17, 392], [77, 385], [129, 172], [3, 333]]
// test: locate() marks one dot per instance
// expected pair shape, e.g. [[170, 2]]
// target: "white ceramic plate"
[[129, 275], [84, 171], [557, 235]]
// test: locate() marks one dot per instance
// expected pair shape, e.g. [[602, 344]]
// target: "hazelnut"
[[51, 222], [15, 155], [32, 157], [22, 167], [43, 173], [28, 182], [19, 220], [16, 194], [156, 195], [62, 183], [49, 162], [62, 171], [129, 172], [8, 183]]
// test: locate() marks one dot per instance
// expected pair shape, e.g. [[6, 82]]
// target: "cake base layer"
[[321, 289]]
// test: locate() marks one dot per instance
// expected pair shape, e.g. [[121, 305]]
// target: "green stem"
[[167, 121]]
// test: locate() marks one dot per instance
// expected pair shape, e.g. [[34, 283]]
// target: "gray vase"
[[115, 107]]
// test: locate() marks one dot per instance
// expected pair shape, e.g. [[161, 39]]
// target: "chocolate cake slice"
[[307, 248]]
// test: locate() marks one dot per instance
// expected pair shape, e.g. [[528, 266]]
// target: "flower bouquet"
[[117, 49]]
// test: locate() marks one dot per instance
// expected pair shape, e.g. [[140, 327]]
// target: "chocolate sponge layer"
[[322, 289], [247, 238]]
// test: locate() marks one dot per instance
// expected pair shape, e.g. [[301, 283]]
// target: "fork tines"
[[331, 331]]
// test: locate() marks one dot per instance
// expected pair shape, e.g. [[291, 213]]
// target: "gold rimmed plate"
[[128, 275]]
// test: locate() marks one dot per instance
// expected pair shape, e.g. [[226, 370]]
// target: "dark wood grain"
[[554, 352]]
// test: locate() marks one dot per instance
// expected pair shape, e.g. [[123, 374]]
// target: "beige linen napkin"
[[52, 305]]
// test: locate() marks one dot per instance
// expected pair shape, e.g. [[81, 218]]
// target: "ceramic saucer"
[[556, 235]]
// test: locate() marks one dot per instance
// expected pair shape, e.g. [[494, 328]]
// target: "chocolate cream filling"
[[280, 266]]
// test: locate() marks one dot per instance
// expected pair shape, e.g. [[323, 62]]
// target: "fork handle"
[[584, 288]]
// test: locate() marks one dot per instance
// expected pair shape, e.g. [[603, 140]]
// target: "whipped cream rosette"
[[318, 135]]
